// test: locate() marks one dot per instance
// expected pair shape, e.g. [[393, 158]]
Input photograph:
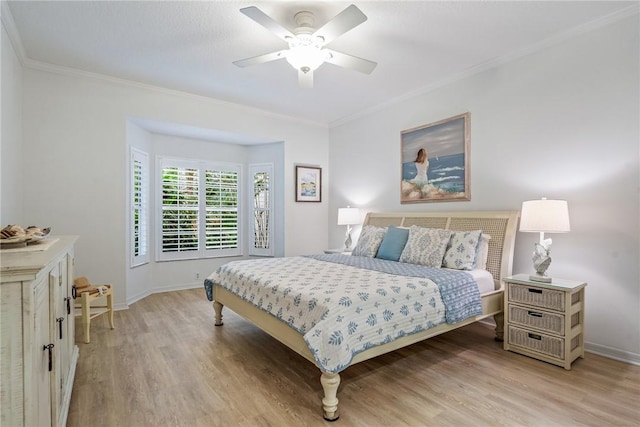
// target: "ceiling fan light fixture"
[[305, 52]]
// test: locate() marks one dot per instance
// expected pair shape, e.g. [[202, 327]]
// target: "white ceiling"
[[190, 46]]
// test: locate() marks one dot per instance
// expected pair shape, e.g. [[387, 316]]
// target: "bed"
[[397, 302]]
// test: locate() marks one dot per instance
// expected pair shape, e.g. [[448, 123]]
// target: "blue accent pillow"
[[393, 243]]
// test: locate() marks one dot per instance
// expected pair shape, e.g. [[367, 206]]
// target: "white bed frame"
[[501, 225]]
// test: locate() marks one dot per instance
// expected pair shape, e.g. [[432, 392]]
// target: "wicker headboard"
[[501, 225]]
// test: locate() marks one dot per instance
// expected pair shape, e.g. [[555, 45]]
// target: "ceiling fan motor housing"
[[304, 21]]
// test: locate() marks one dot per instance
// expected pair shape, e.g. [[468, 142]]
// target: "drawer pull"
[[535, 291], [60, 320], [68, 301], [535, 336], [49, 347], [534, 314]]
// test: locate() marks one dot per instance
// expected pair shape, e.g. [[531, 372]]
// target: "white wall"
[[75, 132], [562, 123], [11, 183]]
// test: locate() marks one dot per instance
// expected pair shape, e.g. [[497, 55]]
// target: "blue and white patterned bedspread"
[[343, 305]]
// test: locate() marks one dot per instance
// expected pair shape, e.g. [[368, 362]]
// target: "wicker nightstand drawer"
[[540, 343], [539, 297], [539, 319]]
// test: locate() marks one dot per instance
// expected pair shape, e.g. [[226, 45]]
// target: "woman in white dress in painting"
[[422, 165]]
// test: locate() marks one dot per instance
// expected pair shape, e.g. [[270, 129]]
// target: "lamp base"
[[542, 279], [347, 243]]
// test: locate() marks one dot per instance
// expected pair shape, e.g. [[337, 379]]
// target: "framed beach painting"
[[308, 184], [435, 161]]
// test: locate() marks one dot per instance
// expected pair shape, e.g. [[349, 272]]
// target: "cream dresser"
[[545, 320], [38, 355]]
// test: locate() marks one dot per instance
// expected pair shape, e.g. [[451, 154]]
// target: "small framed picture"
[[308, 184]]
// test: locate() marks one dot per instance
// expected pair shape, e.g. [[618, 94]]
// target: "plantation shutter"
[[139, 220], [221, 210], [261, 210], [180, 207]]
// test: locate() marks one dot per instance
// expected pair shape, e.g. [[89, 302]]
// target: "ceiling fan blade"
[[350, 61], [349, 18], [266, 21], [261, 59], [305, 80]]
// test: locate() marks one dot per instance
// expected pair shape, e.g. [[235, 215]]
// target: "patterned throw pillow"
[[425, 246], [483, 252], [369, 241], [462, 250]]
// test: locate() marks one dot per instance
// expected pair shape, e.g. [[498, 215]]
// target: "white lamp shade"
[[547, 216], [348, 216]]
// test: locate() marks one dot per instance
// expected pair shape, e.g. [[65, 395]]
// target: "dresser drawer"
[[540, 343], [539, 297], [539, 319]]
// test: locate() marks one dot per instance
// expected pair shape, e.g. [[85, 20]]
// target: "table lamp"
[[348, 216], [544, 216]]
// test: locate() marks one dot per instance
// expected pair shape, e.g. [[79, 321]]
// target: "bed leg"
[[330, 383], [217, 308], [499, 319]]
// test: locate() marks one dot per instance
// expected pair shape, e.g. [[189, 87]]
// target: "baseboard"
[[488, 321], [159, 290], [613, 353], [118, 307]]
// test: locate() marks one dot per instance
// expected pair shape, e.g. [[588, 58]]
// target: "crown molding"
[[536, 47], [14, 36]]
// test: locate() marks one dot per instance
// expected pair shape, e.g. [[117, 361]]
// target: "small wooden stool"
[[87, 294]]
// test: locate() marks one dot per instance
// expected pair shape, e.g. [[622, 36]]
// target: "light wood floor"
[[165, 364]]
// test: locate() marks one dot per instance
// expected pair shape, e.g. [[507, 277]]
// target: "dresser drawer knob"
[[534, 314], [535, 291]]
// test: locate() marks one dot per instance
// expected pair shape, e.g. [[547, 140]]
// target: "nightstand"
[[545, 320], [337, 251]]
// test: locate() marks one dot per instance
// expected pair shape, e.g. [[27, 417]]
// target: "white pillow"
[[369, 241], [483, 252], [425, 246], [462, 250]]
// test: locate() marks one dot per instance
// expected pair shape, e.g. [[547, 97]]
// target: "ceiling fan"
[[306, 44]]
